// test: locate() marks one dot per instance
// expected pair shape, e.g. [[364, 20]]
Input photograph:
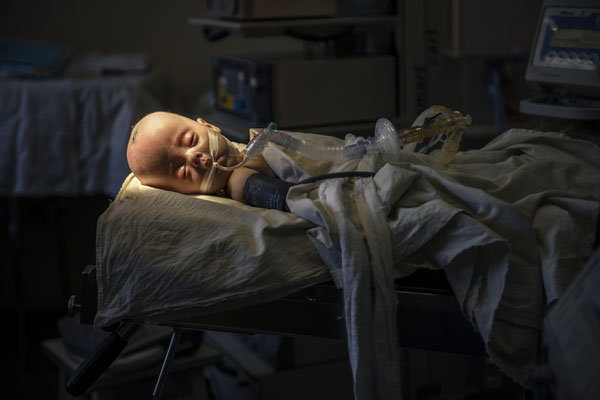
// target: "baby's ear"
[[203, 122]]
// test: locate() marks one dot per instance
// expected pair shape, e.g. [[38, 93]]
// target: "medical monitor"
[[566, 51]]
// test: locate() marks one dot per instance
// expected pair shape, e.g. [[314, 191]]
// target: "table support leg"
[[164, 370]]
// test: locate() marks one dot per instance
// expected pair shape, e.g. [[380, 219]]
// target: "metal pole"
[[166, 365]]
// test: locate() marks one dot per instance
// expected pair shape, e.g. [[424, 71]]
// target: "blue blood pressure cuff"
[[266, 192]]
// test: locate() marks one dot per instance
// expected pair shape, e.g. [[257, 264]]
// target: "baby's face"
[[172, 152]]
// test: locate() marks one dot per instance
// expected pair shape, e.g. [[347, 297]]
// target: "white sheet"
[[510, 224], [163, 255]]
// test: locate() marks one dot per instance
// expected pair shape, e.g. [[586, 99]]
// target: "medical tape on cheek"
[[213, 148]]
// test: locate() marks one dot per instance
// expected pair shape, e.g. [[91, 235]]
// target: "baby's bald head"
[[173, 152], [144, 153]]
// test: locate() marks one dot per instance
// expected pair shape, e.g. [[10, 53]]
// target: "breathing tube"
[[387, 142], [214, 147]]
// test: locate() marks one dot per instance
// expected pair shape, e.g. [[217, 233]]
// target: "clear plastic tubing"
[[387, 141], [327, 153]]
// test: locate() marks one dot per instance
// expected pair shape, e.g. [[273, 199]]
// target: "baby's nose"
[[206, 162], [200, 160]]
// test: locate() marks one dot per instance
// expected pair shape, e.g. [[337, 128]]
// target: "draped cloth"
[[511, 224]]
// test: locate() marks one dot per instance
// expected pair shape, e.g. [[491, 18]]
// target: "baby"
[[173, 152]]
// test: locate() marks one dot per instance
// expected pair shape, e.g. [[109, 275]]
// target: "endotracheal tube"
[[387, 142]]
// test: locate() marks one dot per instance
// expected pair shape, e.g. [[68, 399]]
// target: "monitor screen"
[[575, 38]]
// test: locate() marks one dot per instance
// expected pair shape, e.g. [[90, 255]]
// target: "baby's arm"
[[237, 182], [238, 178]]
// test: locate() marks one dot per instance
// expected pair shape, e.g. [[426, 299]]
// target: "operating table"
[[496, 254]]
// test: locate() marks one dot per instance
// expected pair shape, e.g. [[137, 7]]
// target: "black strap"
[[266, 192]]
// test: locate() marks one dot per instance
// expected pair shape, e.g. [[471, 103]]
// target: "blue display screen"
[[573, 32], [575, 38]]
